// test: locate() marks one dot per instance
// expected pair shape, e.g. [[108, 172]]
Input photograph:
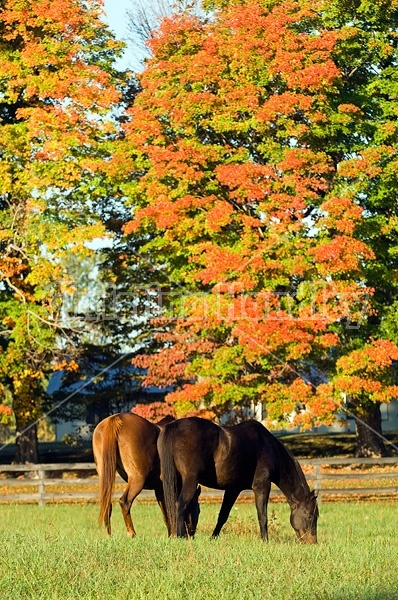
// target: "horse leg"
[[230, 496], [261, 497], [127, 499], [160, 500], [188, 491], [193, 512]]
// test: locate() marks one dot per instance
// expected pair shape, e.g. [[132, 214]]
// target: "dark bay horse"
[[244, 456], [126, 443]]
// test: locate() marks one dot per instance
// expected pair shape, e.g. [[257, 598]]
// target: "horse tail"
[[169, 477], [107, 463]]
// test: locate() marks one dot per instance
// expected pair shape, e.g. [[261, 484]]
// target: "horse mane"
[[302, 481]]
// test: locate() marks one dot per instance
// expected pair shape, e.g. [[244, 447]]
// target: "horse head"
[[304, 517]]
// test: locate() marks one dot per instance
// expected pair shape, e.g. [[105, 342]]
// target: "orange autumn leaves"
[[52, 38], [365, 373], [260, 172], [57, 88], [252, 204]]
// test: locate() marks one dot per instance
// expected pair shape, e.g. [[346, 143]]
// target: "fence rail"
[[38, 475]]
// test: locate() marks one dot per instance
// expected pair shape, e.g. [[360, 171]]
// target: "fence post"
[[42, 488], [318, 481]]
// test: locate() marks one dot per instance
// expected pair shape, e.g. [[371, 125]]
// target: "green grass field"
[[59, 552]]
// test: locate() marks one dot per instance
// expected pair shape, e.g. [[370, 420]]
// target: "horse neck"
[[292, 481]]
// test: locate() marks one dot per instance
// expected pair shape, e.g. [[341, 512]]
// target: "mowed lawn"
[[60, 552]]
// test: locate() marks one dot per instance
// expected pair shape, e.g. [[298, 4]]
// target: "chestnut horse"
[[244, 456], [126, 443]]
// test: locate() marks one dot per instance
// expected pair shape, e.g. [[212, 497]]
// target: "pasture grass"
[[58, 552]]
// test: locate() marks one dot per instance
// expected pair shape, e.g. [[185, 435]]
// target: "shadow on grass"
[[54, 452], [303, 445], [317, 445]]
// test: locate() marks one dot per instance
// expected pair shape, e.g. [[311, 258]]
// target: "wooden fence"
[[42, 477]]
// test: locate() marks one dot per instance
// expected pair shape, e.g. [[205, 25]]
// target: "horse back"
[[239, 453], [272, 456], [137, 451], [214, 456], [131, 441], [193, 443]]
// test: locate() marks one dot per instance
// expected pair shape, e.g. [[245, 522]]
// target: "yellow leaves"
[[24, 378], [50, 60], [350, 109], [9, 322], [391, 227], [67, 287], [57, 95], [43, 272], [51, 17], [11, 267], [368, 163], [67, 365], [342, 213]]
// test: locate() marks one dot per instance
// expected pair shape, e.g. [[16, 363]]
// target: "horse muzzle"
[[307, 537]]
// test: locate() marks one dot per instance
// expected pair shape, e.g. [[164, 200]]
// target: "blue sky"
[[116, 15], [116, 18]]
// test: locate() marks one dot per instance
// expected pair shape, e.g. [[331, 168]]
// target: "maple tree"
[[265, 142], [366, 376], [58, 86]]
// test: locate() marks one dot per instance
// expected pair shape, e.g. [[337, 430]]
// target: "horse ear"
[[314, 494]]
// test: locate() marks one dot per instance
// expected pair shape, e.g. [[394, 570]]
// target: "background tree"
[[58, 86], [145, 19], [266, 139], [366, 55], [113, 298]]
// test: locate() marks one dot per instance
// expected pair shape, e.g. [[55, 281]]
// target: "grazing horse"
[[126, 443], [244, 456]]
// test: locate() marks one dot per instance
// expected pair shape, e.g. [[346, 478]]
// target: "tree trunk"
[[369, 437], [27, 445]]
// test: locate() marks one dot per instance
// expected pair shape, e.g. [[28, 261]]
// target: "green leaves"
[[57, 90], [267, 139]]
